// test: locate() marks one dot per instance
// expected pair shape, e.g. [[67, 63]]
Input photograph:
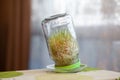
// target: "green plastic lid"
[[70, 67]]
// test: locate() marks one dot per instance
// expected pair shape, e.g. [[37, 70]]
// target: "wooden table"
[[45, 74]]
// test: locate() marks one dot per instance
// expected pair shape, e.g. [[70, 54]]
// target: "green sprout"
[[63, 47]]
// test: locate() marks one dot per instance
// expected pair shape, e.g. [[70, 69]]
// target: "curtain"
[[15, 27]]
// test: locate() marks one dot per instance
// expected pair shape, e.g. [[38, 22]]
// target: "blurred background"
[[96, 22], [97, 26]]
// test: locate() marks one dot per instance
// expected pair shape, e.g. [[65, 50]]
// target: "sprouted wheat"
[[63, 47]]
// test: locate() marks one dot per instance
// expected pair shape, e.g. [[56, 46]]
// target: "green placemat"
[[89, 69], [10, 74]]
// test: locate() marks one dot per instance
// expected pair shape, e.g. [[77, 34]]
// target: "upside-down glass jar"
[[61, 41]]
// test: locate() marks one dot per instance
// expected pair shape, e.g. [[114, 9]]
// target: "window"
[[96, 24]]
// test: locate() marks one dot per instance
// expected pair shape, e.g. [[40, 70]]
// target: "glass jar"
[[61, 41]]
